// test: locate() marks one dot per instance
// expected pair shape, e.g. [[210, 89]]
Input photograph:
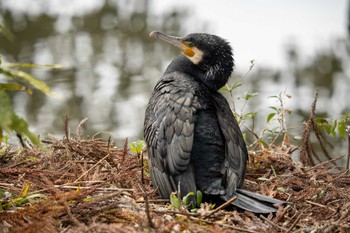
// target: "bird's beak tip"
[[153, 34]]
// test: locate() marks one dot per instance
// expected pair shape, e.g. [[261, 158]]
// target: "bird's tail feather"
[[254, 202]]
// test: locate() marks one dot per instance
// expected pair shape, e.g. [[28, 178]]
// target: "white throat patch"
[[198, 56]]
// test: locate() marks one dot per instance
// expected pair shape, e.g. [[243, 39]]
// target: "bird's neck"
[[184, 65], [214, 76]]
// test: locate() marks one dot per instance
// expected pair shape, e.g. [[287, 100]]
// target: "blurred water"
[[110, 65]]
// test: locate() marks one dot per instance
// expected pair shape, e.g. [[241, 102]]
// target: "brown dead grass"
[[91, 186]]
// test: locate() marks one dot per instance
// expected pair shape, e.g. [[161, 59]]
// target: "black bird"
[[194, 141]]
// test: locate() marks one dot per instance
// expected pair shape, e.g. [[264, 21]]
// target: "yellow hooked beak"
[[178, 42]]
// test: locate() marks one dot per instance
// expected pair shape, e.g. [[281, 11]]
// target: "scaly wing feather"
[[169, 131]]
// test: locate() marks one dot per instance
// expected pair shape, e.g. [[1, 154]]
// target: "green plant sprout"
[[243, 118], [138, 146], [177, 203], [8, 203]]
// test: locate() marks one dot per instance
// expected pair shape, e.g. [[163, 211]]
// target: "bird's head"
[[209, 54]]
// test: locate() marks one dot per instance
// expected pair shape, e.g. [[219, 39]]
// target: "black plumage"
[[194, 141]]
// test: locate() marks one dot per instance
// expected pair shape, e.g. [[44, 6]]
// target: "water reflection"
[[110, 65]]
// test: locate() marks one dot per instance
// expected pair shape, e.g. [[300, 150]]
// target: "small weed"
[[138, 146], [177, 203], [8, 203]]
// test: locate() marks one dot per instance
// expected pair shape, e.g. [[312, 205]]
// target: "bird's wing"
[[169, 130], [236, 154]]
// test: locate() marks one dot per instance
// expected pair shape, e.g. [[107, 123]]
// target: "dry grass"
[[88, 185]]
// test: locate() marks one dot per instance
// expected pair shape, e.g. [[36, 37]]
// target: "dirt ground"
[[88, 185]]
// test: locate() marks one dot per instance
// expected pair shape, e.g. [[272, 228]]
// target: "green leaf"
[[32, 66], [248, 95], [265, 144], [342, 129], [36, 83], [328, 128], [245, 136], [174, 200], [274, 108], [335, 123], [225, 88], [15, 87], [9, 121], [248, 115], [235, 85], [41, 86], [270, 116], [186, 198], [19, 201], [6, 111], [321, 120], [230, 88], [25, 190], [199, 198], [21, 127], [138, 146]]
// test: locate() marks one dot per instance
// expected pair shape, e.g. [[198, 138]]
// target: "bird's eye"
[[190, 44]]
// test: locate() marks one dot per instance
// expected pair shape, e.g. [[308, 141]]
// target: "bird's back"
[[183, 133]]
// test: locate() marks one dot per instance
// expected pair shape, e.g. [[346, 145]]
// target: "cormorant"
[[193, 140]]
